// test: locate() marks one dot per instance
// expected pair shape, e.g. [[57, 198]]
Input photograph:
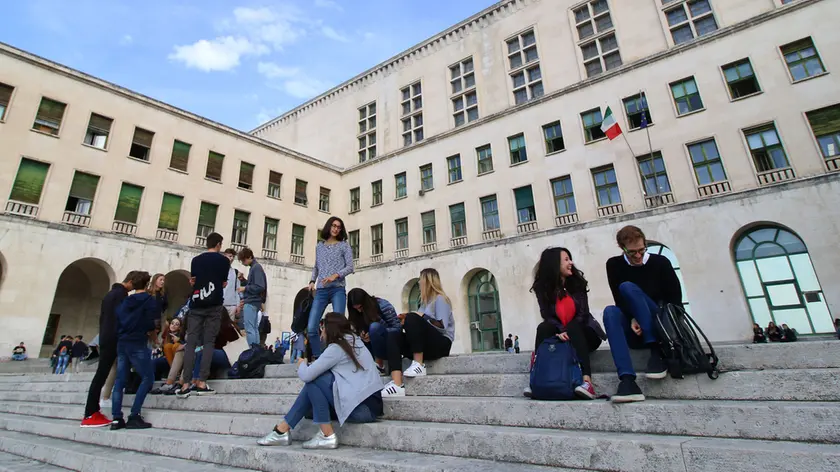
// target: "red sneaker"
[[96, 420], [586, 391]]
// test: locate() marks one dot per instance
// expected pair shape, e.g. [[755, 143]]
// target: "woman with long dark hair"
[[430, 331], [375, 320], [561, 289], [333, 263], [343, 381]]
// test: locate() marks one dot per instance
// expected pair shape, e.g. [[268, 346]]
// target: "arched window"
[[661, 249], [414, 297], [485, 318], [779, 280]]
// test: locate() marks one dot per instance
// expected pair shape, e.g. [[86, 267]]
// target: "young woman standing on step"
[[343, 380], [375, 320], [564, 306], [429, 332], [333, 263]]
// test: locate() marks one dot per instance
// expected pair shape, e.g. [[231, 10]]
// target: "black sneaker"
[[136, 422], [628, 391], [117, 424], [205, 390], [657, 368], [156, 391], [169, 389], [184, 393]]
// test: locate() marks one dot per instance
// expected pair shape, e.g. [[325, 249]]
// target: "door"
[[485, 316]]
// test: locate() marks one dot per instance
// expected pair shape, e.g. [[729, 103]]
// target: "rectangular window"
[[518, 153], [599, 49], [376, 191], [524, 67], [29, 181], [802, 59], [376, 239], [240, 227], [270, 234], [708, 167], [355, 200], [353, 240], [180, 155], [82, 193], [50, 114], [401, 185], [300, 192], [99, 128], [690, 19], [401, 226], [367, 132], [485, 159], [654, 176], [429, 233], [606, 186], [564, 196], [825, 123], [206, 219], [490, 213], [766, 148], [427, 181], [324, 200], [298, 236], [128, 203], [246, 176], [525, 210], [453, 164], [458, 217], [274, 179], [141, 144], [686, 96], [412, 113], [553, 135], [215, 161], [170, 212], [638, 113], [592, 120], [464, 95], [741, 79], [5, 99]]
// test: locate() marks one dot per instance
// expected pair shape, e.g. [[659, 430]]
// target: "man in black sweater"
[[639, 282], [107, 351]]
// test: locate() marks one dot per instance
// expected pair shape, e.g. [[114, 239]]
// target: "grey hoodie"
[[256, 286]]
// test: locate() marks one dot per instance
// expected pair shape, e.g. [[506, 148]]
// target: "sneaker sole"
[[628, 398], [583, 394], [95, 425], [412, 375], [201, 394], [183, 395], [138, 427], [656, 375]]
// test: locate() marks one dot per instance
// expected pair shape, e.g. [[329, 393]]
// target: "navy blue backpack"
[[556, 371]]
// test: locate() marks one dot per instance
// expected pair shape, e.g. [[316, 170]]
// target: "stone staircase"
[[774, 408]]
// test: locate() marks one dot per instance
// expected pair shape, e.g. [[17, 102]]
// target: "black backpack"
[[251, 364], [681, 347], [265, 325], [302, 306]]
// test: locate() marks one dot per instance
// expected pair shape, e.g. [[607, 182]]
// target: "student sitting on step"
[[758, 334], [343, 379], [561, 289], [639, 282], [429, 332], [774, 333], [375, 320], [789, 334]]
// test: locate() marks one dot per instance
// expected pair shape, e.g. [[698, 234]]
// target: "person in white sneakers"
[[430, 331], [375, 321]]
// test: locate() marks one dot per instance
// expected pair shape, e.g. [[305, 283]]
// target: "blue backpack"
[[556, 371]]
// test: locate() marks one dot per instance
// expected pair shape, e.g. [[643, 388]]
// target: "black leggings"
[[583, 338], [107, 357], [421, 336]]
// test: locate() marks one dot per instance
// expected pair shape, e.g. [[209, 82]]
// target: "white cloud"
[[126, 40], [253, 15], [219, 54], [305, 87], [329, 4], [334, 35], [272, 71]]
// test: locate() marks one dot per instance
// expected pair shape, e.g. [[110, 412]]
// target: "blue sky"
[[236, 62]]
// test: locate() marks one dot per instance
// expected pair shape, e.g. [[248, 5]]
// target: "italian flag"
[[609, 126]]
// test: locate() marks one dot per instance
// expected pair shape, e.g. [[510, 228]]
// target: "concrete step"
[[239, 451], [89, 458], [80, 377], [13, 463]]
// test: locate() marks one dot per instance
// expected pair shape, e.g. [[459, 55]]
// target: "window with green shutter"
[[99, 128], [214, 166], [355, 200], [525, 211], [206, 219], [128, 204], [401, 226], [240, 227], [376, 243], [298, 237], [170, 212], [459, 220], [180, 156], [490, 213], [50, 114], [141, 144], [29, 182], [453, 164], [427, 181], [82, 193], [300, 192], [270, 234], [376, 193], [485, 159], [518, 152], [353, 238], [825, 123], [429, 232], [401, 186], [5, 99], [246, 175], [274, 179]]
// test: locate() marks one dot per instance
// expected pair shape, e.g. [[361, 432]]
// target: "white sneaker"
[[416, 369], [104, 404], [393, 390]]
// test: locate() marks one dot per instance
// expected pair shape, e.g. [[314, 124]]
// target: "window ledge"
[[595, 141], [323, 211], [641, 129], [376, 205], [245, 189], [353, 212], [274, 198], [56, 136], [138, 160], [486, 173], [455, 182], [701, 110], [401, 198], [555, 152], [89, 146], [426, 190], [792, 81], [514, 164], [304, 205], [213, 180], [178, 170], [746, 96]]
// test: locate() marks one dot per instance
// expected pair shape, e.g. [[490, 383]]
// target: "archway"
[[779, 280], [486, 331], [411, 295], [77, 301], [178, 290], [663, 250]]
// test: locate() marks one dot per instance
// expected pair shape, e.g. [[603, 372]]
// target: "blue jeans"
[[220, 360], [316, 398], [337, 296], [61, 366], [140, 357], [250, 316], [617, 325], [18, 357]]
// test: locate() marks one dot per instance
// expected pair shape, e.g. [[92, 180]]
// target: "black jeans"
[[107, 357], [421, 336], [202, 325], [583, 338]]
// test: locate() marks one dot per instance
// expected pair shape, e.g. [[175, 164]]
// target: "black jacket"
[[67, 344], [582, 314], [79, 350], [136, 316], [108, 315]]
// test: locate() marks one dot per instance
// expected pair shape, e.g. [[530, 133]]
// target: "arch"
[[655, 247], [486, 331], [411, 295], [778, 279], [178, 290]]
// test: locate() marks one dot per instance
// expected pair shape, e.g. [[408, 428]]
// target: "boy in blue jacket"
[[136, 317]]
